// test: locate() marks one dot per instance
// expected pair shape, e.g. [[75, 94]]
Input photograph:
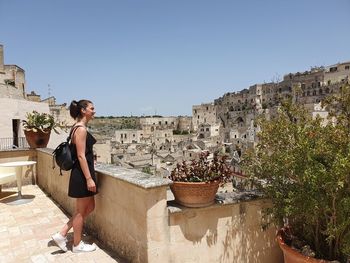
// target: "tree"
[[304, 165]]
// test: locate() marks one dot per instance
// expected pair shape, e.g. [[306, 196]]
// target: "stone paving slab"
[[26, 229]]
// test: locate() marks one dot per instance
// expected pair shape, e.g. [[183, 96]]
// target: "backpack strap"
[[72, 131]]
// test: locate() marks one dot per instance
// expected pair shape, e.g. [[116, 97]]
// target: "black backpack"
[[63, 155]]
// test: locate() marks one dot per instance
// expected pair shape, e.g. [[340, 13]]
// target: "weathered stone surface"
[[132, 176]]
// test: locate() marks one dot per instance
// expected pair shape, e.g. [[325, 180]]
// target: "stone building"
[[12, 80], [236, 112], [203, 114], [126, 136], [14, 106], [185, 124], [337, 73], [32, 96], [159, 123]]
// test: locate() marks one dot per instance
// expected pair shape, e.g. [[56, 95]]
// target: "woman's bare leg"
[[83, 205], [67, 227]]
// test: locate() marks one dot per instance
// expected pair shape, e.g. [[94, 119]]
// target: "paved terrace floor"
[[26, 229]]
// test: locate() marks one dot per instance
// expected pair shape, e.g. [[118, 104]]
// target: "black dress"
[[77, 182]]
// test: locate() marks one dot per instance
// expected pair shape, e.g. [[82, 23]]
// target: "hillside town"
[[155, 144]]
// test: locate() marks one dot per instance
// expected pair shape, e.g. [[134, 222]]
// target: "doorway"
[[15, 131]]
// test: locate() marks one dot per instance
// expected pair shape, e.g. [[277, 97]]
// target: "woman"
[[82, 183]]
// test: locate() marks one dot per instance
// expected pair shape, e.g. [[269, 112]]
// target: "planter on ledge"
[[195, 194], [37, 139]]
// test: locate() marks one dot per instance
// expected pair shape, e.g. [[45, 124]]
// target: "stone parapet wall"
[[222, 233], [134, 217]]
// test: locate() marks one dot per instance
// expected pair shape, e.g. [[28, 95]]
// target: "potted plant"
[[37, 128], [304, 164], [196, 182]]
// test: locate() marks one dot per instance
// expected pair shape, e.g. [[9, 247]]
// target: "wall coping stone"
[[132, 176], [16, 149]]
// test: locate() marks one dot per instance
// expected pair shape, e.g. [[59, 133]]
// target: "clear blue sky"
[[141, 57]]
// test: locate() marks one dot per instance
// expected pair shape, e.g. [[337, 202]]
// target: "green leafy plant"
[[304, 166], [43, 122], [203, 170]]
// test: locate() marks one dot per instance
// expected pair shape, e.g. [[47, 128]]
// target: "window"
[[207, 129], [347, 67], [166, 122], [333, 69]]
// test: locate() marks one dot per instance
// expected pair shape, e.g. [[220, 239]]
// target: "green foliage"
[[40, 121], [203, 170], [305, 166], [147, 170]]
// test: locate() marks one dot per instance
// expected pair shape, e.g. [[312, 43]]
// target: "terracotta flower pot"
[[197, 194], [37, 139], [291, 255]]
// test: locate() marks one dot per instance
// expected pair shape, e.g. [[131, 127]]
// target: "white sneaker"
[[82, 247], [60, 241]]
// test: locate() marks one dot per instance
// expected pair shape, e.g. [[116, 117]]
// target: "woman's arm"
[[80, 143]]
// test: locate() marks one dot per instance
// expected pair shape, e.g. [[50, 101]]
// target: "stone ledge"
[[132, 176], [16, 149], [45, 150], [221, 199]]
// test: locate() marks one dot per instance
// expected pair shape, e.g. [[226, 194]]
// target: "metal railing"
[[9, 143]]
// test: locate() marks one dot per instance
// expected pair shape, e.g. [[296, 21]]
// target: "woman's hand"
[[91, 185]]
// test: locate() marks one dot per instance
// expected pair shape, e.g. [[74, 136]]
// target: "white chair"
[[7, 175]]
